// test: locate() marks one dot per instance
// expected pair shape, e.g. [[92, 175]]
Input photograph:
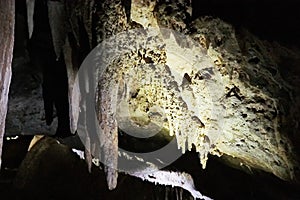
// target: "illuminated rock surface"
[[235, 101], [231, 104]]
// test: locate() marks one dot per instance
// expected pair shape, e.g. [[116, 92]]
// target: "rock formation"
[[218, 89], [7, 23]]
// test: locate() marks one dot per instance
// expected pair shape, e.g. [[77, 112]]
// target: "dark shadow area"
[[53, 171], [270, 20]]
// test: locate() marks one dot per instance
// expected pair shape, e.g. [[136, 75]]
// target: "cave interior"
[[62, 175]]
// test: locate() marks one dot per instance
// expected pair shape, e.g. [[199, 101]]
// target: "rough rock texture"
[[226, 103], [26, 109], [112, 20], [143, 14], [253, 100], [219, 91]]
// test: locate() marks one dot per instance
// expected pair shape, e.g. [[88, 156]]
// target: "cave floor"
[[60, 174]]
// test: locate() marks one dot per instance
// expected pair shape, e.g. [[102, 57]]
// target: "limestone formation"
[[224, 103], [7, 22], [217, 89]]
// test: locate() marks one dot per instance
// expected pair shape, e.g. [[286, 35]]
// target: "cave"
[[149, 99]]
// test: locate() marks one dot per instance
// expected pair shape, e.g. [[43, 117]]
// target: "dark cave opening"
[[270, 20]]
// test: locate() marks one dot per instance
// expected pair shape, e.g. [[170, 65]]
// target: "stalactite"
[[7, 25], [30, 11], [117, 78], [57, 21], [112, 20], [72, 18], [215, 99], [88, 11], [73, 92], [204, 100]]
